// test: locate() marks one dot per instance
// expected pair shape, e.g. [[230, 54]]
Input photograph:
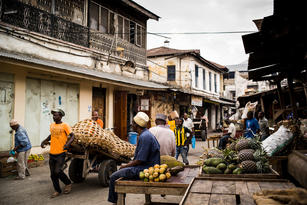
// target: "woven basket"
[[89, 134]]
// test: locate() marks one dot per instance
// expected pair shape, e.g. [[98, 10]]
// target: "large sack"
[[277, 141]]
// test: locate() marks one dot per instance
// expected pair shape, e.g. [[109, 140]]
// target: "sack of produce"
[[277, 141]]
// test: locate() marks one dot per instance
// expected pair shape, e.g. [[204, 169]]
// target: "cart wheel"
[[106, 169], [75, 170]]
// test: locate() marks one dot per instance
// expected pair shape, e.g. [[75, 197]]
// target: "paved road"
[[37, 188]]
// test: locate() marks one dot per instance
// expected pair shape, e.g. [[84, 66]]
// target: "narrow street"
[[37, 188]]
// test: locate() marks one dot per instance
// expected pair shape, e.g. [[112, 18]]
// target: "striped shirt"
[[181, 135]]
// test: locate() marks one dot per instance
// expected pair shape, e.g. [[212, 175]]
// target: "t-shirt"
[[188, 123], [251, 125], [181, 136], [166, 139], [59, 134], [99, 121], [172, 125], [147, 150], [232, 130]]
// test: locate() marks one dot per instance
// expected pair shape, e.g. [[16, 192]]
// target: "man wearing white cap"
[[22, 147], [164, 135], [147, 154]]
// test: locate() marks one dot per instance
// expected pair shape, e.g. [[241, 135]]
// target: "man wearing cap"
[[164, 135], [147, 154], [96, 118], [23, 148], [59, 143]]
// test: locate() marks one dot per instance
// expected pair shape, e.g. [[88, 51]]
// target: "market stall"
[[176, 185]]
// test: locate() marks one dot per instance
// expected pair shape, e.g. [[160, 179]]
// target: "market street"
[[37, 188]]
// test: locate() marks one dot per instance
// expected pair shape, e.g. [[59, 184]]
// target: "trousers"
[[183, 150], [56, 163], [127, 173], [22, 164]]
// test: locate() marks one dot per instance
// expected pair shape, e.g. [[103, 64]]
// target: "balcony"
[[33, 19], [103, 42]]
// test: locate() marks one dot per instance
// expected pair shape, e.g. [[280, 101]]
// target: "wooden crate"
[[272, 175], [232, 191]]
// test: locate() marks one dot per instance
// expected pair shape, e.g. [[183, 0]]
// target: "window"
[[215, 84], [104, 16], [210, 81], [132, 32], [111, 25], [196, 76], [120, 27], [171, 73], [94, 16], [204, 79], [138, 35], [127, 30]]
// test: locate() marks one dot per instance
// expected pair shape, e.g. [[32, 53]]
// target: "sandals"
[[55, 194], [67, 189]]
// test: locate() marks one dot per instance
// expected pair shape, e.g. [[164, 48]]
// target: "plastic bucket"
[[132, 136]]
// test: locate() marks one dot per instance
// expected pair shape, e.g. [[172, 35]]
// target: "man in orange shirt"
[[59, 143], [96, 118]]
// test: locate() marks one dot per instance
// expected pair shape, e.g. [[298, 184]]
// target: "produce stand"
[[210, 191], [83, 159], [176, 185], [271, 175]]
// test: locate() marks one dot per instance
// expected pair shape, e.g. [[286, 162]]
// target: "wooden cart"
[[86, 160], [235, 191], [176, 185]]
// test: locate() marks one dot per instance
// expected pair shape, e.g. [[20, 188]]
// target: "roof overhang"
[[79, 72], [141, 9]]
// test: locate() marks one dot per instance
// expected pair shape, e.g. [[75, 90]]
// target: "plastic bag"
[[11, 160], [193, 142], [249, 107]]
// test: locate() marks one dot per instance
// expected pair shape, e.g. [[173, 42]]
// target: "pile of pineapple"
[[241, 156], [158, 173]]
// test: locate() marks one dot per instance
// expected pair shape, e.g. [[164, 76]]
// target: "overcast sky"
[[206, 16]]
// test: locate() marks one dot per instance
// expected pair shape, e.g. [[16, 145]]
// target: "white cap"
[[141, 119]]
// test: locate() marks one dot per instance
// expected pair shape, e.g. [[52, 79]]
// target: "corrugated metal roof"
[[92, 73]]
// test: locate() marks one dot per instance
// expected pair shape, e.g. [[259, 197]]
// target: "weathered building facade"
[[77, 55], [194, 81]]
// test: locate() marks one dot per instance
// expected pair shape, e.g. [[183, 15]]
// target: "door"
[[120, 114], [99, 101], [41, 97], [6, 110]]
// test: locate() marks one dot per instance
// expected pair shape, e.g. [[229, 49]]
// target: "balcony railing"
[[33, 19], [103, 42]]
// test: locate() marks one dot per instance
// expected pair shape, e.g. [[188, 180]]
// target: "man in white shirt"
[[164, 135], [231, 133], [188, 123]]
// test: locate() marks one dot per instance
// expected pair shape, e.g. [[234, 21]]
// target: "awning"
[[82, 72], [218, 101]]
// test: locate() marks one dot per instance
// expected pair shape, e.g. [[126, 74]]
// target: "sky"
[[206, 16]]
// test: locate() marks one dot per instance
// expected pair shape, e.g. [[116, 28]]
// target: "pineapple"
[[249, 166], [232, 146], [262, 167], [260, 155], [248, 144], [246, 154]]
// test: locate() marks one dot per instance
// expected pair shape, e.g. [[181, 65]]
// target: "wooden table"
[[176, 185], [214, 139], [205, 191]]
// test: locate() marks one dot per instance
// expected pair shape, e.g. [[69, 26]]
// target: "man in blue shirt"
[[23, 148], [251, 125], [147, 154]]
